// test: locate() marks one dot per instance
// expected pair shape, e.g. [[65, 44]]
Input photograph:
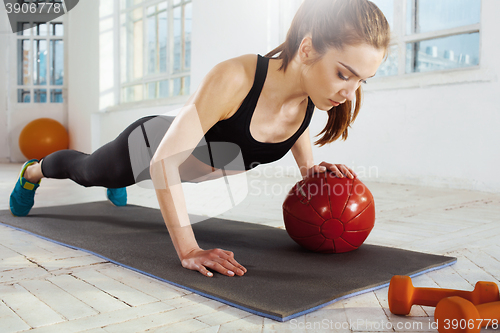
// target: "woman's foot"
[[118, 196], [33, 172], [22, 197]]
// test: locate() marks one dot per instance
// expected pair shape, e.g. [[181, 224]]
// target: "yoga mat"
[[283, 280]]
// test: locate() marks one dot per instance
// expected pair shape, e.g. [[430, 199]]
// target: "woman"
[[261, 104]]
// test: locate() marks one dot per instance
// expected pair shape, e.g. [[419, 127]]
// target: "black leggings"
[[110, 165]]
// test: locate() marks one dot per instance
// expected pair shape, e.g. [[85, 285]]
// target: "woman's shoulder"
[[231, 80], [237, 73], [226, 85]]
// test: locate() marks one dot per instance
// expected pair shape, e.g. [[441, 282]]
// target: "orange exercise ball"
[[42, 137]]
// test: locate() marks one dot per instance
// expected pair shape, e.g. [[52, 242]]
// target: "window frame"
[[48, 86], [400, 39], [120, 102]]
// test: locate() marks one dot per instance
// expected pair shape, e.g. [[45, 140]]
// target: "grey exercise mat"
[[283, 280]]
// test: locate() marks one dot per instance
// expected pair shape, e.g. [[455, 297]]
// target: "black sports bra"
[[236, 130]]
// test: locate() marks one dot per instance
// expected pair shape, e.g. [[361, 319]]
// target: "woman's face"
[[335, 77]]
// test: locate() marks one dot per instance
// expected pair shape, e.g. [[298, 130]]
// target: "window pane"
[[166, 48], [151, 90], [23, 96], [137, 42], [163, 38], [129, 3], [150, 10], [127, 95], [164, 89], [56, 62], [40, 62], [443, 53], [132, 94], [57, 29], [24, 29], [152, 45], [23, 62], [435, 15], [124, 49], [387, 7], [56, 96], [187, 85], [41, 29], [177, 39], [410, 18], [40, 96], [187, 35], [390, 65], [177, 86], [132, 45]]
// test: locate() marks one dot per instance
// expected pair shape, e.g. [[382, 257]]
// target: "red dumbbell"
[[456, 314], [402, 294]]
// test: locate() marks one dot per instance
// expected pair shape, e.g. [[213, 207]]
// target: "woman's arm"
[[219, 93], [302, 152]]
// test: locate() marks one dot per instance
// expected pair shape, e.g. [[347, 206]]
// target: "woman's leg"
[[109, 166]]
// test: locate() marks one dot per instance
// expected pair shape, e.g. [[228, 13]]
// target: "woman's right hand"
[[218, 260]]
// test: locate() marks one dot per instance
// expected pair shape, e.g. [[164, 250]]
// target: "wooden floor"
[[45, 287]]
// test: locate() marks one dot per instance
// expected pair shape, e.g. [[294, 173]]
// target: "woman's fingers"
[[205, 271], [226, 260], [216, 260], [333, 168], [316, 169], [235, 266], [336, 171], [191, 264], [346, 171], [218, 267], [340, 170]]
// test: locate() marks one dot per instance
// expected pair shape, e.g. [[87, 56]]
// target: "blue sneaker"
[[118, 196], [22, 197]]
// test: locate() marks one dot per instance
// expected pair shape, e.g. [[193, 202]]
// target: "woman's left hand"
[[340, 170]]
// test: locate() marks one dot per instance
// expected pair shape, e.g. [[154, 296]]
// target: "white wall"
[[224, 29], [5, 32], [83, 72]]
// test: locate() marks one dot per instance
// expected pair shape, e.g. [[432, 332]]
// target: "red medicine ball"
[[327, 214]]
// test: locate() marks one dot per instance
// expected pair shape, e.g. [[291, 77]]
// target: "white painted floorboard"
[[45, 287]]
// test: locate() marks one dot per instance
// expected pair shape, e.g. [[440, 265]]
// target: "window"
[[155, 42], [430, 35], [40, 62]]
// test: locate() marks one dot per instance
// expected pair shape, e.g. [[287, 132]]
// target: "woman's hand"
[[340, 170], [216, 259]]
